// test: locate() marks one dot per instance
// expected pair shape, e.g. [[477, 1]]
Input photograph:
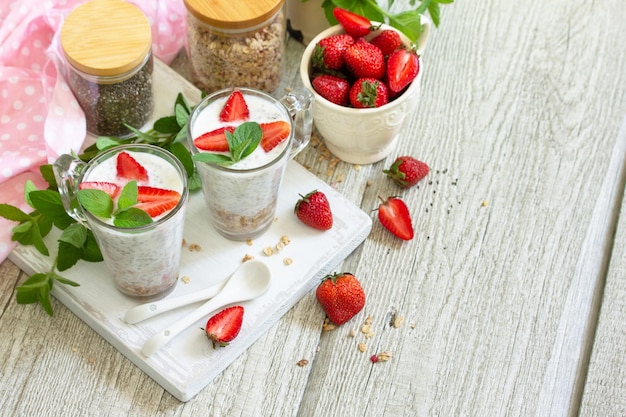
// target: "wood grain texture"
[[521, 106]]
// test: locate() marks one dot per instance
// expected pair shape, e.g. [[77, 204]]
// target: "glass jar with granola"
[[109, 65], [235, 43]]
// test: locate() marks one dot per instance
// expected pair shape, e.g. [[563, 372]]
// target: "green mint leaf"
[[44, 223], [48, 175], [181, 112], [75, 234], [49, 203], [106, 142], [433, 11], [13, 213], [244, 140], [29, 186], [132, 217], [128, 196], [194, 183], [27, 233], [68, 255], [167, 124], [215, 158], [143, 136], [28, 292], [97, 202], [65, 281], [44, 298], [408, 23], [180, 151], [181, 136], [91, 251]]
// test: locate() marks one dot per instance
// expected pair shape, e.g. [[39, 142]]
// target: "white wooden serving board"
[[189, 362]]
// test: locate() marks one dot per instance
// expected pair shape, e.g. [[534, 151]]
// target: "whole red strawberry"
[[387, 41], [402, 68], [367, 93], [332, 88], [365, 60], [394, 215], [328, 53], [341, 297], [224, 326], [407, 171], [313, 210], [354, 24]]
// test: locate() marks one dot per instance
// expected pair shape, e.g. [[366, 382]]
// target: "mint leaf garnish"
[[75, 235], [132, 217], [68, 255], [216, 158], [97, 202], [12, 213], [128, 196], [49, 202], [244, 140]]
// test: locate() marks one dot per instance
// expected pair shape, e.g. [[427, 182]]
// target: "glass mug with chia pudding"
[[241, 140], [133, 198]]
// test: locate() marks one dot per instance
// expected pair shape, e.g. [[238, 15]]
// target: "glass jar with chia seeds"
[[235, 43], [107, 46]]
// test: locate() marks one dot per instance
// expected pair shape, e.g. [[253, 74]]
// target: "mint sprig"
[[241, 143], [77, 242]]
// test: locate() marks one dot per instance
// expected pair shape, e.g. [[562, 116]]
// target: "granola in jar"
[[231, 43]]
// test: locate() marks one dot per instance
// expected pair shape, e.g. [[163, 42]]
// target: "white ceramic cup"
[[362, 136]]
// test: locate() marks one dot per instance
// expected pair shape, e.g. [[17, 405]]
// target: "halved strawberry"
[[235, 109], [394, 215], [110, 188], [214, 140], [402, 68], [224, 326], [156, 201], [354, 24], [274, 133], [129, 168]]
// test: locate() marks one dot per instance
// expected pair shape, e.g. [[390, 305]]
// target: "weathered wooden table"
[[512, 293]]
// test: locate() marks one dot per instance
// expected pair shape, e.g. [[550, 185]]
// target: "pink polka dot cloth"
[[39, 117]]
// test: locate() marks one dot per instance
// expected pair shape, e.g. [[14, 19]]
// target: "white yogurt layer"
[[261, 111]]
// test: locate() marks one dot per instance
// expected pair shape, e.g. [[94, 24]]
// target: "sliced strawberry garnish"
[[402, 68], [215, 140], [394, 215], [274, 133], [224, 326], [354, 24], [129, 168], [110, 188], [156, 201], [235, 109]]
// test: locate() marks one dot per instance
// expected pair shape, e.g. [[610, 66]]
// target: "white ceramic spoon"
[[249, 281]]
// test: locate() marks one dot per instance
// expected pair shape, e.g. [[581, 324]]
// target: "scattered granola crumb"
[[412, 326], [285, 240], [302, 362], [249, 242], [351, 333], [485, 203], [369, 320], [74, 349], [328, 326], [91, 359], [280, 246], [287, 261], [366, 328], [185, 279], [268, 251], [384, 356], [184, 243], [368, 183], [357, 167], [247, 257], [362, 347], [397, 322], [194, 247], [340, 177]]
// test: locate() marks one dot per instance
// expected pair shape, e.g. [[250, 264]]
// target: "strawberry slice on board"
[[215, 140], [402, 68], [354, 24], [224, 326], [235, 109], [156, 201], [110, 188], [128, 168], [394, 215], [274, 133]]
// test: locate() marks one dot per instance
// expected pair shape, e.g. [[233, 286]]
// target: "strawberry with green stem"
[[223, 327], [368, 93], [341, 296], [407, 171], [314, 210]]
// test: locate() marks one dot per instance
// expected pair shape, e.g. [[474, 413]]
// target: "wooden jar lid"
[[233, 14], [106, 37]]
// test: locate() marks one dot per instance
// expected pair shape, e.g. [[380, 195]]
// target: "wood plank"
[[605, 386]]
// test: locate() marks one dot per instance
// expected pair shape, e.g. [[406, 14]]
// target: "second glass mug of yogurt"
[[242, 197], [143, 260]]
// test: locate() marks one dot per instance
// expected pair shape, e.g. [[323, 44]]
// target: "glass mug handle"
[[300, 103], [68, 172]]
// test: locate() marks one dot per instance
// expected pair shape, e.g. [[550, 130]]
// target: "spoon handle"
[[148, 310], [162, 337]]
